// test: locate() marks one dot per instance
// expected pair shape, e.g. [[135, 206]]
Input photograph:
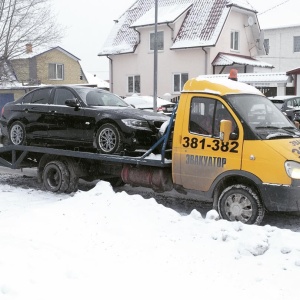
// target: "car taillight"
[[161, 108]]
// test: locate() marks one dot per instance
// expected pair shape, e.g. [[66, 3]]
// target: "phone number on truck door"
[[217, 145]]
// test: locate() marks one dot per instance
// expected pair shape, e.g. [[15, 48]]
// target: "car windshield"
[[263, 117], [96, 97]]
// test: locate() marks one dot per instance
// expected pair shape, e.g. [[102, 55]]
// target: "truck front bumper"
[[281, 198]]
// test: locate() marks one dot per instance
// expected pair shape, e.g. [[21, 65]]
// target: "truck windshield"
[[263, 117]]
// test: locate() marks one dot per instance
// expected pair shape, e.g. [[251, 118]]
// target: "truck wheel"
[[108, 139], [17, 134], [241, 203], [56, 177]]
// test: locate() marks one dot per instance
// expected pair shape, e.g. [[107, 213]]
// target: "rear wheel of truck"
[[56, 177], [241, 203]]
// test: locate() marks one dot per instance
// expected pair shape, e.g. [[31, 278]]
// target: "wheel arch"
[[13, 120], [230, 178], [76, 169], [105, 121]]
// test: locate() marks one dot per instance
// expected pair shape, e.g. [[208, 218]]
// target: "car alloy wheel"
[[17, 133], [108, 139]]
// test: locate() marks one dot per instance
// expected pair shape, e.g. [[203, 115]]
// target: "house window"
[[179, 79], [267, 45], [56, 71], [160, 40], [234, 40], [296, 43], [134, 84]]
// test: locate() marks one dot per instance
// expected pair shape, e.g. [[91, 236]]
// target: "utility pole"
[[155, 59]]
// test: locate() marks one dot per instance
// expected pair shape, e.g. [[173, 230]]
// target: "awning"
[[224, 59]]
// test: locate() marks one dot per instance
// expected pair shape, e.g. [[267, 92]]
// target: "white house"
[[194, 37], [282, 47]]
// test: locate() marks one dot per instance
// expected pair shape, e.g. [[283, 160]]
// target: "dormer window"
[[160, 40], [234, 40]]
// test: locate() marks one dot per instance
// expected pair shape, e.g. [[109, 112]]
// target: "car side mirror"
[[72, 103]]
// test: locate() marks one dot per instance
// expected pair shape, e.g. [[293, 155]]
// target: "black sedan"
[[78, 116]]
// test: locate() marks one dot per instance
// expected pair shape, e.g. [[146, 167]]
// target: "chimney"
[[28, 48]]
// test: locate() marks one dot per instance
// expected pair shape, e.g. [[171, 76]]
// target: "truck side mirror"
[[225, 130]]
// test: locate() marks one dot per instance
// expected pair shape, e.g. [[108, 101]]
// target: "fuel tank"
[[159, 179]]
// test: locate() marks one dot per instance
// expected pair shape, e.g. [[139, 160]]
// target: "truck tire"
[[56, 177], [108, 139], [17, 134], [73, 182], [241, 203]]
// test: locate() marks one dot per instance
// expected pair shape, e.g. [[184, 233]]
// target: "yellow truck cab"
[[234, 145]]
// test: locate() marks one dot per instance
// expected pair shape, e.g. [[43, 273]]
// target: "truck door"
[[203, 155]]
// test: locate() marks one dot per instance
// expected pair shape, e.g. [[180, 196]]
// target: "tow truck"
[[225, 142]]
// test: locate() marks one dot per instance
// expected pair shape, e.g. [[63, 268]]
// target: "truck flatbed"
[[16, 157]]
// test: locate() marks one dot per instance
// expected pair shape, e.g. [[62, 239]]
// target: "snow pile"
[[105, 245]]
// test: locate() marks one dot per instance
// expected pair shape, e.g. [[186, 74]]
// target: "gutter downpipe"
[[138, 34], [111, 77], [172, 32], [205, 62]]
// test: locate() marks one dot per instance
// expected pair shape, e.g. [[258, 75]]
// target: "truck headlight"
[[138, 124], [292, 168]]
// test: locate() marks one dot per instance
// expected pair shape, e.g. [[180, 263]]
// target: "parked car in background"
[[77, 116], [289, 105], [146, 103]]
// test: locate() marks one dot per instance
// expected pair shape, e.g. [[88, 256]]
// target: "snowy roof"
[[224, 59], [166, 14], [93, 79], [202, 24], [39, 51]]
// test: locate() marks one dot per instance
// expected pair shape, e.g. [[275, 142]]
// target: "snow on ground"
[[99, 244]]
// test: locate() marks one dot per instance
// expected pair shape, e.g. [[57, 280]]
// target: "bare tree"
[[23, 22]]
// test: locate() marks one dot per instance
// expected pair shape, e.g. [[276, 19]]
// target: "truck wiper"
[[279, 135], [267, 127], [288, 127]]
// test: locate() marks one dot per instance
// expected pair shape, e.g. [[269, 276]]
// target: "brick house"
[[51, 66]]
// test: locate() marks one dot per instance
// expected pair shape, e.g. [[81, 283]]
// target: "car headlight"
[[292, 168], [137, 124]]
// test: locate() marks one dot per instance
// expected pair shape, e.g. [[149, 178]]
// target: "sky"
[[88, 25], [102, 244]]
